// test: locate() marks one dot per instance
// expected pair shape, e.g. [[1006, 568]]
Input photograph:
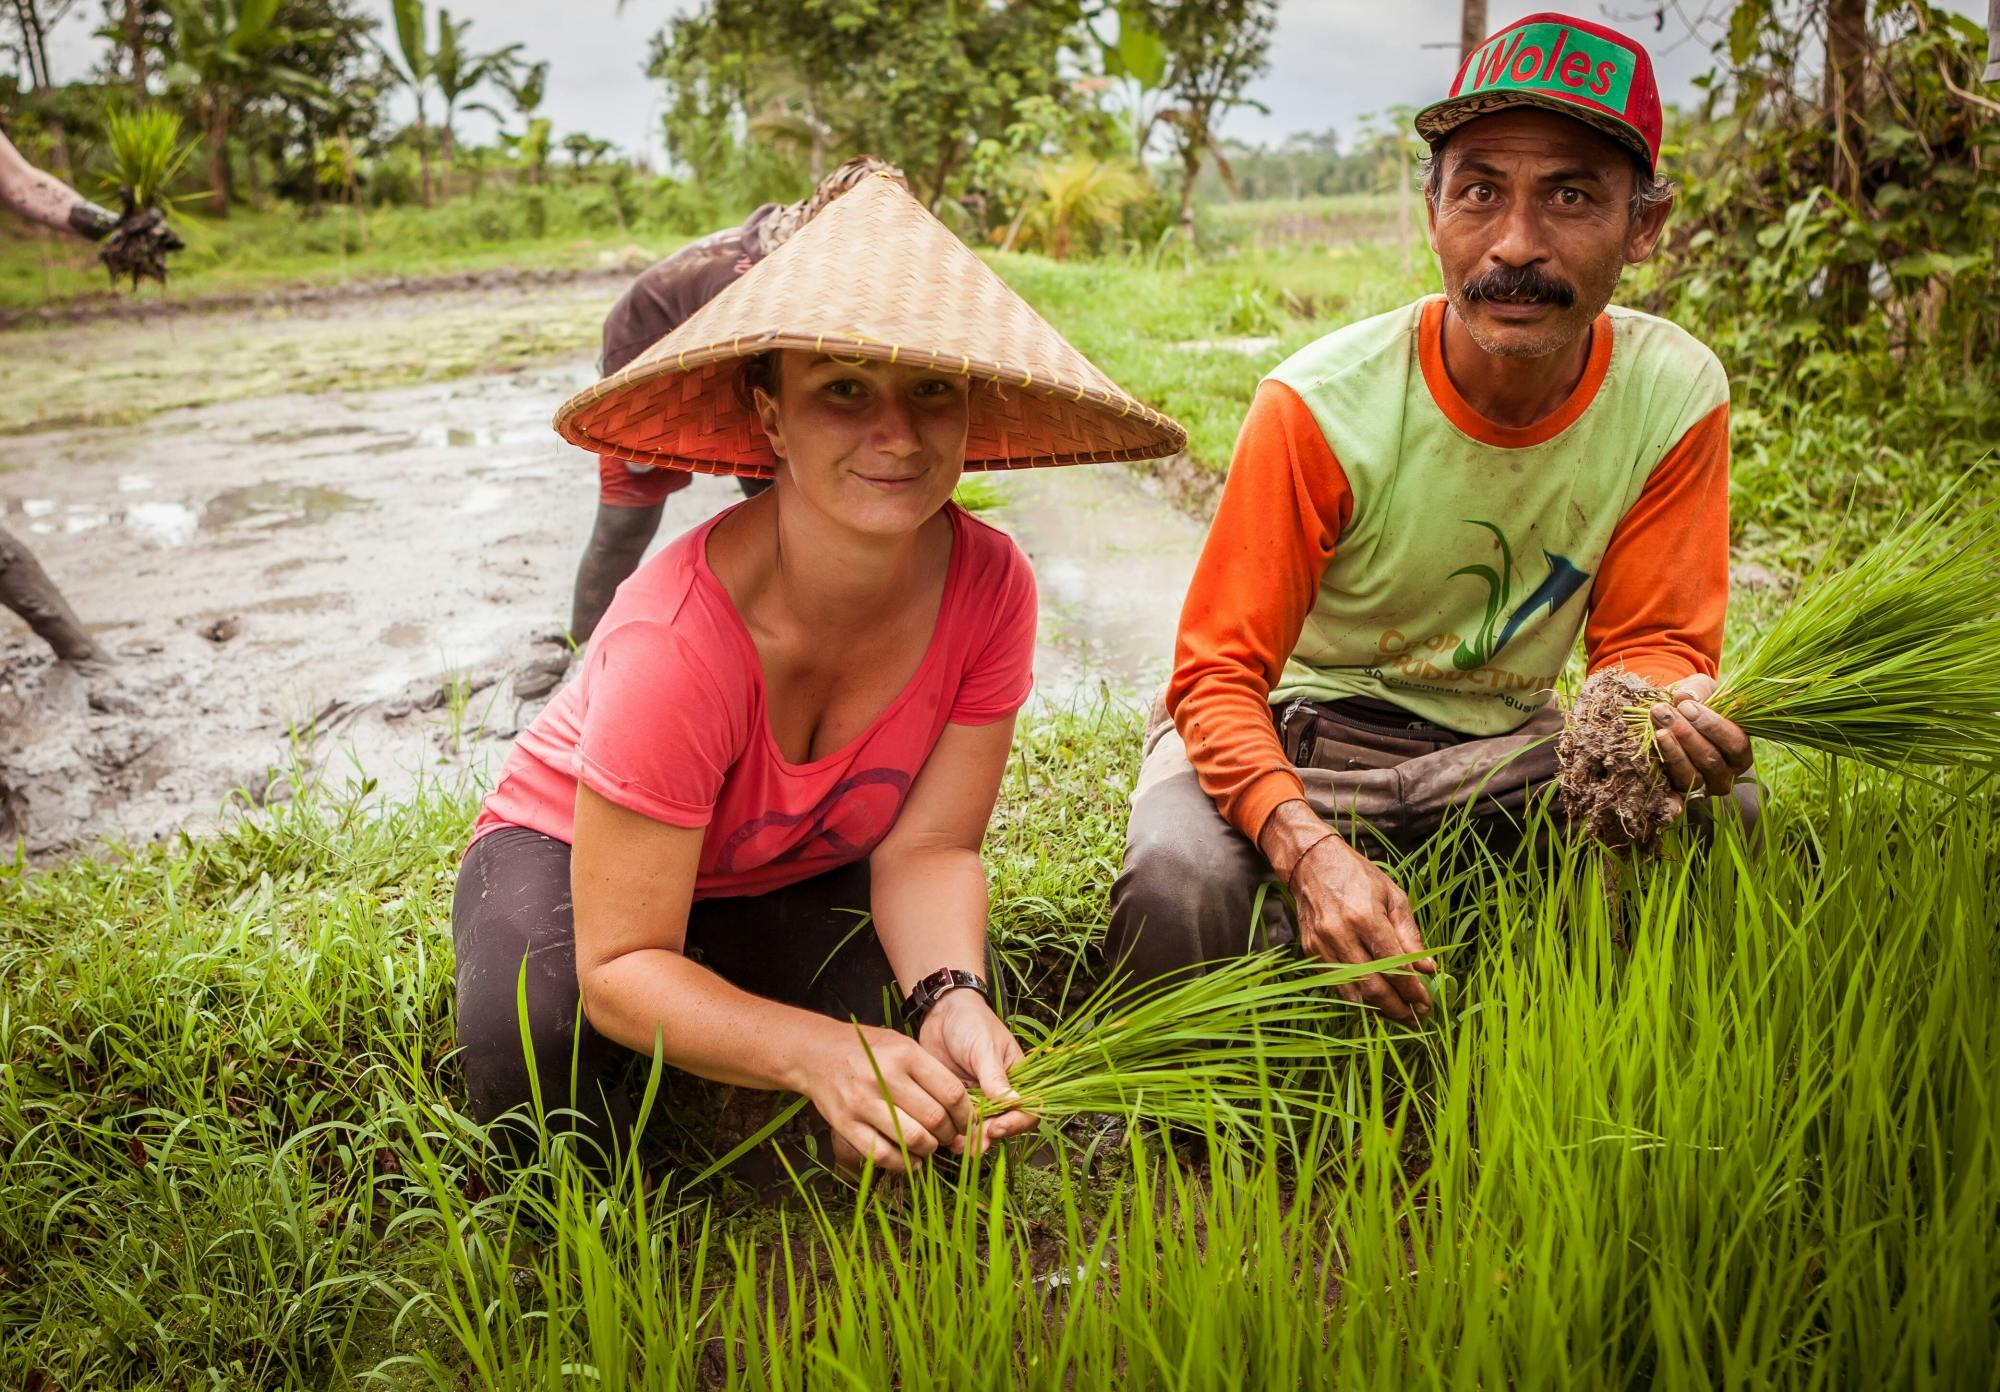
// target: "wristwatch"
[[932, 987]]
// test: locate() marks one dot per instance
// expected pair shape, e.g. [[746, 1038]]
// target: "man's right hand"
[[927, 1106], [1349, 911]]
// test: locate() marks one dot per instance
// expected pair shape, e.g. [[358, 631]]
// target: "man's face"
[[1532, 226]]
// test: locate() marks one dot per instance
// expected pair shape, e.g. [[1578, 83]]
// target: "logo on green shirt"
[[1562, 582]]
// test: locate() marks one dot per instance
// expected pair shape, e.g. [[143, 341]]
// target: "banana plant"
[[446, 65], [411, 65], [222, 57], [456, 71]]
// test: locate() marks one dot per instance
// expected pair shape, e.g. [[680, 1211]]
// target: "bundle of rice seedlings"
[[147, 152], [1246, 1039], [1889, 660]]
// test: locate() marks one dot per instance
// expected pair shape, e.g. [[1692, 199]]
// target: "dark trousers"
[[807, 944], [1383, 779]]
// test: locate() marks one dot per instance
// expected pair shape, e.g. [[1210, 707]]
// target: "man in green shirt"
[[1426, 511]]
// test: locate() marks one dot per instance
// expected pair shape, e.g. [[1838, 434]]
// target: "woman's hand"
[[926, 1108], [962, 1032]]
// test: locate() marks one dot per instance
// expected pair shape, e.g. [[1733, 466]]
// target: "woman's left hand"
[[962, 1032]]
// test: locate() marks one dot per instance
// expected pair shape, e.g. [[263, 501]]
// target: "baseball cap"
[[1561, 64]]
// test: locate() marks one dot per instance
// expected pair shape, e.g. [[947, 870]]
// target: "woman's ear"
[[767, 416]]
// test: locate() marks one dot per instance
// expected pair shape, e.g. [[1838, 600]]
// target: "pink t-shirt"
[[667, 719]]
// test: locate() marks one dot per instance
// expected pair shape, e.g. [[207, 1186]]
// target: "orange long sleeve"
[[1284, 505], [1662, 589]]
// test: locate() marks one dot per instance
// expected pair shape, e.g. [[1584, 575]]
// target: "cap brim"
[[1440, 119]]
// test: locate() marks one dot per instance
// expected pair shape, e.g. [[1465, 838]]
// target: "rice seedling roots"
[[1610, 784], [138, 247]]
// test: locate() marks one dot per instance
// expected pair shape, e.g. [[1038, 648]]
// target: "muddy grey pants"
[[799, 945], [1382, 778]]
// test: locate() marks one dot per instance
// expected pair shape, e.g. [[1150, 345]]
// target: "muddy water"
[[349, 580]]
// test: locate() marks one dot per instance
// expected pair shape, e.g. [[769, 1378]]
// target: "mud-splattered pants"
[[1382, 778], [511, 911]]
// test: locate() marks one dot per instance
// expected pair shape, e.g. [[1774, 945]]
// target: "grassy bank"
[[1726, 1120]]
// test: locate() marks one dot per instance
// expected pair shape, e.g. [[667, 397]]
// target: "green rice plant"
[[1220, 1049], [146, 153], [1728, 1121], [1889, 660], [1892, 659]]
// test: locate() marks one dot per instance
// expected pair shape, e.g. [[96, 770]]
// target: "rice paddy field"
[[1726, 1118]]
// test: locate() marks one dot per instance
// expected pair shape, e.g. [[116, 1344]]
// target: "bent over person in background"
[[40, 197], [1424, 511], [631, 496], [747, 836]]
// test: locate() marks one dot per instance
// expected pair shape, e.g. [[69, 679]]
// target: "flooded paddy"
[[345, 582]]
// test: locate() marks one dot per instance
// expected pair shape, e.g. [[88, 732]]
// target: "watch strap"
[[937, 984]]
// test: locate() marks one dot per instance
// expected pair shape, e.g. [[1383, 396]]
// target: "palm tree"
[[525, 86], [457, 71], [414, 73], [222, 56], [454, 71]]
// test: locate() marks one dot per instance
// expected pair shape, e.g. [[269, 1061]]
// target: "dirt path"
[[345, 581]]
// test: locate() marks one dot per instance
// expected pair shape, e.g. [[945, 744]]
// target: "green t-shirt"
[[1460, 584]]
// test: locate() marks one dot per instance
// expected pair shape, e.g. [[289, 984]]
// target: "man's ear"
[[1643, 237], [767, 417]]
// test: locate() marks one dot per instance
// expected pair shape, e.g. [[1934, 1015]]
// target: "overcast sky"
[[1332, 61]]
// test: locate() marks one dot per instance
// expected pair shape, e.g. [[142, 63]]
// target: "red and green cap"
[[1560, 64]]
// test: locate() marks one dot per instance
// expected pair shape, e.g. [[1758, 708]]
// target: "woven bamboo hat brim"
[[875, 276]]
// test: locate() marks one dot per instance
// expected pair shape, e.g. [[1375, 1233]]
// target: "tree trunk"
[[353, 187], [215, 131], [1471, 27], [446, 148], [1846, 90], [135, 44], [1847, 43], [1190, 168], [34, 44], [942, 172], [424, 152]]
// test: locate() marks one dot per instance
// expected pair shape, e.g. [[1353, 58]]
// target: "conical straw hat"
[[874, 276]]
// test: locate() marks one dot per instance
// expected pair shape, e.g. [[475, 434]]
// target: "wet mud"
[[344, 585], [1609, 781]]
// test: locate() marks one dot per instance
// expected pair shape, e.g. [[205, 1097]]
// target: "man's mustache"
[[1519, 283]]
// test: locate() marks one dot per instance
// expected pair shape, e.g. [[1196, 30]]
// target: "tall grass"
[[1891, 658], [1725, 1121]]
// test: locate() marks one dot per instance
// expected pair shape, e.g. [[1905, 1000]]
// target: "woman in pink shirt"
[[747, 836]]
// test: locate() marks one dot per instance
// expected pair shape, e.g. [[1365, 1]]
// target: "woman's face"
[[877, 447]]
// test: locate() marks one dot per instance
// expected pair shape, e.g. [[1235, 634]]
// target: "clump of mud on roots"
[[138, 247], [1610, 782]]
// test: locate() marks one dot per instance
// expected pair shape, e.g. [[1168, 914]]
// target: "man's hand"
[[1349, 911], [1702, 753], [962, 1032]]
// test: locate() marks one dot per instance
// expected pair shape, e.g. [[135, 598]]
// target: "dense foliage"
[[1849, 284]]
